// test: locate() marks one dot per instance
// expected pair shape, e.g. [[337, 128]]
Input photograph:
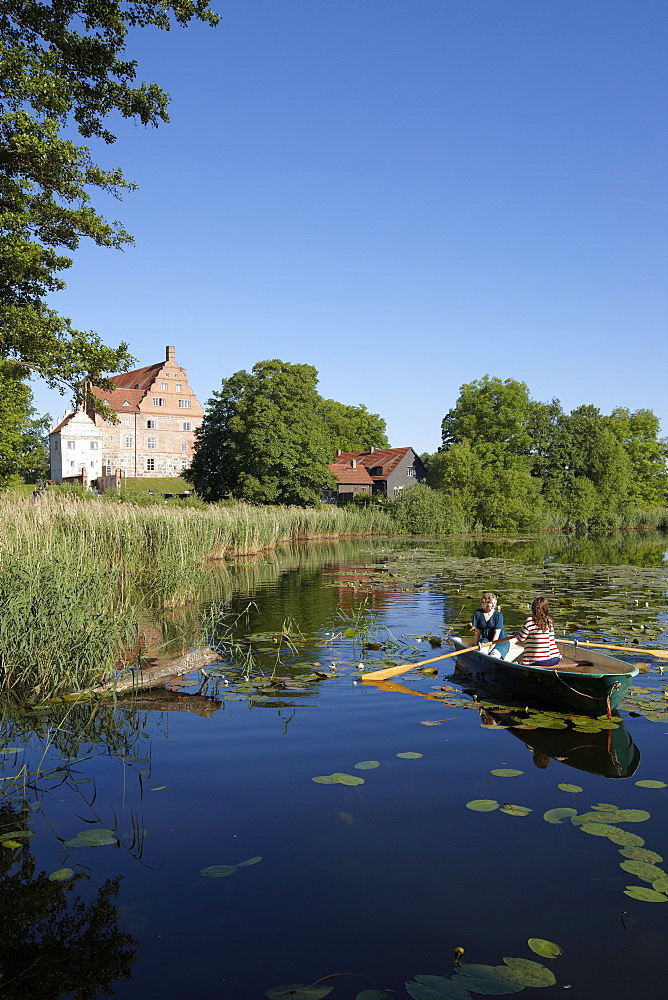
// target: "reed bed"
[[77, 578]]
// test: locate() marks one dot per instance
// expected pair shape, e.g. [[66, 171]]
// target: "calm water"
[[370, 883]]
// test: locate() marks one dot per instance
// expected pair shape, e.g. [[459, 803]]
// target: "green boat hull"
[[592, 692]]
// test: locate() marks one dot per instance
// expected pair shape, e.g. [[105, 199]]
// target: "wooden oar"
[[381, 675], [662, 653]]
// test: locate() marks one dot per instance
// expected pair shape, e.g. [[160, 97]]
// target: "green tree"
[[493, 416], [259, 440], [23, 453], [63, 64], [353, 428], [639, 434]]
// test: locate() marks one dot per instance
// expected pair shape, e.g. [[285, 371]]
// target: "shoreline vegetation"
[[81, 581], [89, 583]]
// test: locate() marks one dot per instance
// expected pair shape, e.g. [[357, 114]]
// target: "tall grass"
[[77, 578]]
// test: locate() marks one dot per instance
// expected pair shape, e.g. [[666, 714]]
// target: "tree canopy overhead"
[[61, 64]]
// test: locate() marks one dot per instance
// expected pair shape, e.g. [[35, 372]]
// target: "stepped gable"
[[66, 419]]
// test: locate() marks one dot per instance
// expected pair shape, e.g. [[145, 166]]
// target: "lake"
[[191, 851]]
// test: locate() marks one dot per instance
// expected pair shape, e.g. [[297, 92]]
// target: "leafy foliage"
[[259, 442], [63, 64], [510, 463]]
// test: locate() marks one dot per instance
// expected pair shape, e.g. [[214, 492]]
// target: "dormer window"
[[125, 403]]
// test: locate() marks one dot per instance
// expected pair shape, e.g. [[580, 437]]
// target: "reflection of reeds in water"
[[77, 578]]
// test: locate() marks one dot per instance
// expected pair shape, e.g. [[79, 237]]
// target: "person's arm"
[[522, 636]]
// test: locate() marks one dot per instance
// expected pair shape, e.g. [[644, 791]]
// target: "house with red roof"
[[379, 470], [158, 414]]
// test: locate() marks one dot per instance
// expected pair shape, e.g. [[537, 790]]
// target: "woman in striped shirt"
[[537, 637]]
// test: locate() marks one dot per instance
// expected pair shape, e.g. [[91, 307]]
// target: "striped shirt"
[[538, 645]]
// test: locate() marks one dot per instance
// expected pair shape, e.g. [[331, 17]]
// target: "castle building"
[[75, 449], [158, 414]]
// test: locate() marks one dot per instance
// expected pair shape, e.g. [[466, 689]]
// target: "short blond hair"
[[488, 597]]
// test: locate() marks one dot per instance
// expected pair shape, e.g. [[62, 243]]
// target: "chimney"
[[353, 463], [338, 452], [169, 354], [372, 449]]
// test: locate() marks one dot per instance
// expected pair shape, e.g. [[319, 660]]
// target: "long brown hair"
[[540, 613]]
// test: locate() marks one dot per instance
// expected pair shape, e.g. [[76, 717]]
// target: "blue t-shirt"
[[488, 628]]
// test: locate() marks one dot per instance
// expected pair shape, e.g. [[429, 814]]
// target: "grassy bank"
[[78, 577]]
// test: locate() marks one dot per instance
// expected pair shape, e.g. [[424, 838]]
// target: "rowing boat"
[[586, 682]]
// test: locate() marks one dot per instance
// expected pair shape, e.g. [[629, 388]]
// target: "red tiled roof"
[[117, 397], [386, 458], [347, 476], [140, 378]]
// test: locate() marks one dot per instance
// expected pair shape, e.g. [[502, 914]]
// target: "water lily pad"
[[16, 835], [61, 875], [512, 810], [625, 838], [449, 991], [489, 985], [558, 815], [347, 779], [547, 949], [506, 772], [631, 816], [442, 986], [661, 884], [482, 805], [11, 844], [599, 829], [649, 783], [93, 838], [569, 788], [295, 991], [648, 873], [218, 871], [641, 854], [409, 755], [644, 894], [324, 779], [251, 861], [524, 972], [367, 765]]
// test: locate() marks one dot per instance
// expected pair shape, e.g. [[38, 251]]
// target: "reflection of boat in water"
[[587, 683], [610, 752]]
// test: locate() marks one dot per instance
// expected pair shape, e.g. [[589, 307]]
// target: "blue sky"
[[406, 194]]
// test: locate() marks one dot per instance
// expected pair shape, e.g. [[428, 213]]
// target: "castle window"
[[184, 404], [177, 387], [71, 444], [163, 386], [150, 465], [151, 442], [127, 421], [94, 445], [410, 471], [158, 400], [150, 423], [184, 446], [184, 463], [186, 425], [128, 442]]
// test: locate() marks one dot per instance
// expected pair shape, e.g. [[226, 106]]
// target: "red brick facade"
[[158, 414]]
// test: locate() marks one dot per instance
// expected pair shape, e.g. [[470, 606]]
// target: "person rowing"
[[488, 625], [537, 637]]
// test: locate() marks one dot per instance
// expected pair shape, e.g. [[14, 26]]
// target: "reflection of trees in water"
[[53, 942]]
